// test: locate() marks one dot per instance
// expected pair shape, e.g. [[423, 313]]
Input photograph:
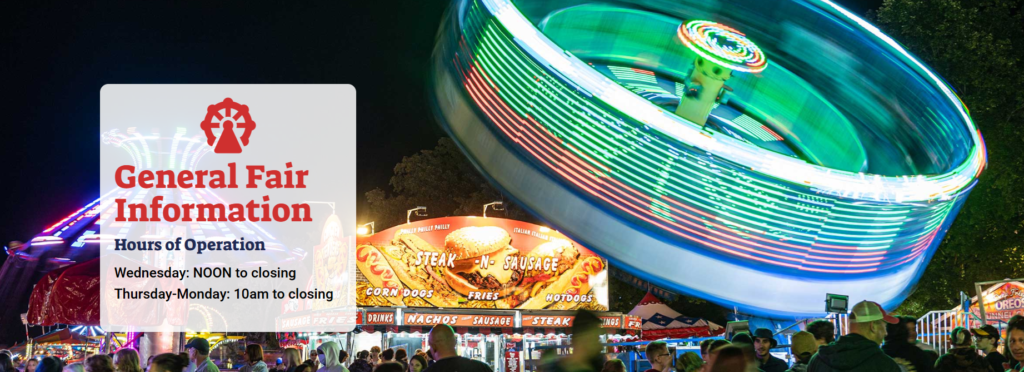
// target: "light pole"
[[362, 229], [420, 211], [498, 206]]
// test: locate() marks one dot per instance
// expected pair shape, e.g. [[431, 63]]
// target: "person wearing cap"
[[986, 339], [900, 346], [764, 341], [963, 357], [803, 345], [199, 355], [858, 351]]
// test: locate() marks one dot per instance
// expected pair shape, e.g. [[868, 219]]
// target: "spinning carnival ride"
[[77, 237], [758, 153]]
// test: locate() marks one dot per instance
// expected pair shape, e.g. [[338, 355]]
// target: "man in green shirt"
[[199, 355]]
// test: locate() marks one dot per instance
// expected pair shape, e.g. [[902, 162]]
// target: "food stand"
[[486, 277]]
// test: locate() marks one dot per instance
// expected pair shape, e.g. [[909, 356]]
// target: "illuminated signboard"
[[632, 322], [380, 318], [315, 319], [459, 320], [548, 321], [1002, 303], [472, 262]]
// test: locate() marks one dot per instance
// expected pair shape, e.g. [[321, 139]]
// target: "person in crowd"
[[198, 349], [986, 339], [387, 356], [704, 349], [731, 358], [442, 344], [911, 324], [764, 342], [304, 368], [657, 354], [430, 357], [149, 362], [823, 330], [963, 357], [7, 363], [31, 364], [902, 349], [78, 367], [587, 351], [291, 359], [52, 364], [342, 357], [279, 365], [403, 358], [689, 362], [327, 355], [99, 363], [803, 345], [168, 362], [417, 363], [361, 364], [713, 350], [389, 367], [614, 365], [859, 350], [548, 358], [1015, 342], [374, 356], [127, 360], [742, 338], [254, 359]]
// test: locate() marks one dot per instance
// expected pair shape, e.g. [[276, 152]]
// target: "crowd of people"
[[875, 342]]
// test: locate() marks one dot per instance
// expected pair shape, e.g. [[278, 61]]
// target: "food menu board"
[[1002, 303], [480, 263]]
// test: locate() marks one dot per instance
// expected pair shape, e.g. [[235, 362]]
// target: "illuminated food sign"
[[470, 262], [459, 320], [1003, 302]]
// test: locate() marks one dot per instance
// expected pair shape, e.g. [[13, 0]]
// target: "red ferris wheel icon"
[[227, 116]]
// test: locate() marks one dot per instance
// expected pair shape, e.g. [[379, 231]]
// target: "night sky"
[[57, 57]]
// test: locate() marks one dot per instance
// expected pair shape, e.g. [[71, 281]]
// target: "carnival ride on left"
[[75, 241]]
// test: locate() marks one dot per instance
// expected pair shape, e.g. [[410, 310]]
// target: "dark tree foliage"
[[976, 46], [445, 182]]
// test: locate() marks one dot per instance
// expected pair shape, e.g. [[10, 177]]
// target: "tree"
[[441, 179], [976, 46]]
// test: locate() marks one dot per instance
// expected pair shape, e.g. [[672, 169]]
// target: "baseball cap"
[[804, 342], [986, 331], [868, 311], [200, 344], [960, 337]]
